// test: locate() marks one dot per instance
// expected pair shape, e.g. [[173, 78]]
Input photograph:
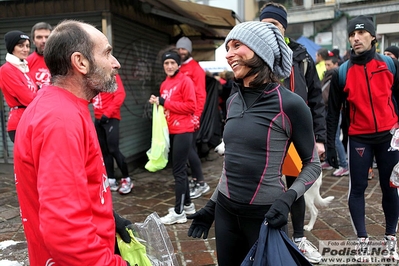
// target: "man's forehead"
[[42, 32], [270, 20]]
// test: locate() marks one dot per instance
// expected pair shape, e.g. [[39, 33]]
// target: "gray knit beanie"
[[185, 43], [267, 42]]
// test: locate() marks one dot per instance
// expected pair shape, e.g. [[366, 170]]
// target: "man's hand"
[[320, 148], [104, 119], [332, 157], [120, 227]]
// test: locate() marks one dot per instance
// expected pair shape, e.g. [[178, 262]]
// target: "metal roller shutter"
[[138, 50]]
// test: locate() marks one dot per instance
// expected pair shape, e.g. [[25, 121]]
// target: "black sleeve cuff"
[[319, 139], [161, 101]]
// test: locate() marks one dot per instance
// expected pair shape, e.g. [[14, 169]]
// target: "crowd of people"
[[307, 103]]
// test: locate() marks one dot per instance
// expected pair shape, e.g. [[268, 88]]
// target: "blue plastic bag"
[[274, 248]]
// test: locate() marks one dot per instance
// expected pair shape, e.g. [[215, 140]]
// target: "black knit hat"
[[394, 50], [361, 23], [171, 55], [276, 13], [12, 38]]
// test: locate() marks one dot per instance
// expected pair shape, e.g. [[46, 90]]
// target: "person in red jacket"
[[178, 98], [369, 94], [62, 185], [38, 69], [107, 112], [192, 69], [15, 82]]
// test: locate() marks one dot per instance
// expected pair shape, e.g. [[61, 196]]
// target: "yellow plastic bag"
[[133, 252], [158, 153]]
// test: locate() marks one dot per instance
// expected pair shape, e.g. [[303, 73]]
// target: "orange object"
[[292, 164]]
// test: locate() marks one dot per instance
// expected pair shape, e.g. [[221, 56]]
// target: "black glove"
[[120, 227], [127, 263], [104, 119], [202, 220], [277, 216], [332, 157]]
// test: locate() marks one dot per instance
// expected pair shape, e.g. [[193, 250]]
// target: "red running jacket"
[[178, 92], [110, 104], [62, 185], [18, 90], [192, 69], [38, 69]]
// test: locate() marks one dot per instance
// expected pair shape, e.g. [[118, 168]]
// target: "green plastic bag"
[[133, 252], [158, 153]]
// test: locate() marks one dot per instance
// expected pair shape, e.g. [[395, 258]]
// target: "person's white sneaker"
[[326, 166], [363, 249], [190, 209], [126, 186], [173, 218], [390, 247], [198, 190], [341, 172], [309, 250], [113, 185]]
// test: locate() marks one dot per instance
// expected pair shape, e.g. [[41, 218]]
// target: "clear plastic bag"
[[154, 236], [394, 179], [395, 139]]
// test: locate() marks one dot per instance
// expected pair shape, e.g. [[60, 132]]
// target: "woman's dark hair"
[[68, 37], [261, 70]]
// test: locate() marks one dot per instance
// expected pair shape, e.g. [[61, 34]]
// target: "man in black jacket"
[[305, 82]]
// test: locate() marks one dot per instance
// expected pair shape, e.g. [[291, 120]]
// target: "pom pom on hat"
[[267, 42], [185, 43], [12, 38], [361, 23], [171, 55]]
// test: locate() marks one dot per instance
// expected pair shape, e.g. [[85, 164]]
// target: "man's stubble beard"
[[95, 82], [184, 57]]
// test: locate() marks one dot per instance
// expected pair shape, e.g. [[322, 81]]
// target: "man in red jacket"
[[368, 92], [191, 68], [108, 115], [63, 190], [38, 69]]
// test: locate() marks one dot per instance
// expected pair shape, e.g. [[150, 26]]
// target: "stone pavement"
[[154, 192]]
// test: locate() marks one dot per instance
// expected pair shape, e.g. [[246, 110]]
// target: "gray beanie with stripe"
[[267, 42]]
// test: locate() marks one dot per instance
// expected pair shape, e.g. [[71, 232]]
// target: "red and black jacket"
[[369, 96]]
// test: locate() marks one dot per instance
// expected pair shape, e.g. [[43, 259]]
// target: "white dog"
[[312, 195]]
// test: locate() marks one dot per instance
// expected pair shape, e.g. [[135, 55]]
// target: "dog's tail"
[[323, 202]]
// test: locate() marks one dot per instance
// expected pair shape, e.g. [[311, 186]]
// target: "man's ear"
[[80, 63]]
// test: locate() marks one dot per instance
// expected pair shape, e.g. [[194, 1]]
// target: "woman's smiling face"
[[237, 54]]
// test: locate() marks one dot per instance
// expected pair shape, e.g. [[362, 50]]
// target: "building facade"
[[325, 21]]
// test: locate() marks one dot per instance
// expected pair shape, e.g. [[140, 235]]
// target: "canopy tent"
[[311, 46]]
